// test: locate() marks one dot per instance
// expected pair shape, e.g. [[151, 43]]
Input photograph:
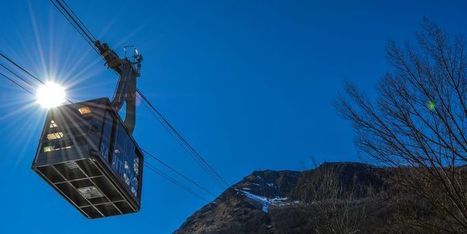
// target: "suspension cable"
[[17, 76], [25, 71], [71, 17], [181, 140], [21, 68], [86, 30], [171, 179], [178, 173], [16, 83], [75, 22], [174, 181]]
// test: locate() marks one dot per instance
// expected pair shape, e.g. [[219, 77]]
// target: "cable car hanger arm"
[[126, 88]]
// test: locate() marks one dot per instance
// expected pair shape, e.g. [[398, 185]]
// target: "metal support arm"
[[126, 88]]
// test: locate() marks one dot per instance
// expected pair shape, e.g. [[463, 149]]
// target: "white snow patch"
[[267, 202], [263, 200], [279, 199], [270, 184]]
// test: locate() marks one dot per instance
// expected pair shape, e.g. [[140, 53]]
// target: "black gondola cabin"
[[89, 157]]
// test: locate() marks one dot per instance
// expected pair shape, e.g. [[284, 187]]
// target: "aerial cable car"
[[86, 151]]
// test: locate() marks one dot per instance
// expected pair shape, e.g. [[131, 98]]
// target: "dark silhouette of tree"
[[418, 122]]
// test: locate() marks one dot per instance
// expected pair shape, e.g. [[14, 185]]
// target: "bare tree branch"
[[419, 120]]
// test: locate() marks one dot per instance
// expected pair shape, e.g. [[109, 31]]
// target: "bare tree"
[[339, 208], [343, 212], [418, 122]]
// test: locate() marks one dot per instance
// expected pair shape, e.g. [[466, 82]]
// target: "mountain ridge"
[[335, 197]]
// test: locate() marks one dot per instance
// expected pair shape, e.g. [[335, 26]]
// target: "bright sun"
[[50, 95]]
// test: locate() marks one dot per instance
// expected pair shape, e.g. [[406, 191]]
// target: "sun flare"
[[50, 95]]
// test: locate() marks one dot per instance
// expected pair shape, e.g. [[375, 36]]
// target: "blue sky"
[[249, 83]]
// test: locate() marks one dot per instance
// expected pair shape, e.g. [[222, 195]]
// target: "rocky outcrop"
[[332, 198]]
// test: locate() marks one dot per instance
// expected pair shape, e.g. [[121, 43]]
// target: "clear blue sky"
[[249, 83]]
